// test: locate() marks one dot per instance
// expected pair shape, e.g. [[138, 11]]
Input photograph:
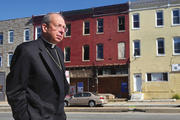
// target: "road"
[[112, 116]]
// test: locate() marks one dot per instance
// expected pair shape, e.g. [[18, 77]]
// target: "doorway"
[[137, 82]]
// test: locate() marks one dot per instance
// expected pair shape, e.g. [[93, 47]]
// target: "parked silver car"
[[85, 98]]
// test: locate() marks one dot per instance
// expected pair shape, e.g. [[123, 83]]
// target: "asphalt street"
[[111, 116]]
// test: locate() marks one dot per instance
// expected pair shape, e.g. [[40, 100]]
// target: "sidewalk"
[[146, 103], [153, 106]]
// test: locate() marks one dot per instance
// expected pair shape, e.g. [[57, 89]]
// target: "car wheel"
[[65, 103], [92, 104]]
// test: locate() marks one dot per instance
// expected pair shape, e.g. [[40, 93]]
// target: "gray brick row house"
[[12, 33]]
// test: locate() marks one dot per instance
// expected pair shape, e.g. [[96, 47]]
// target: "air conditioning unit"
[[175, 67]]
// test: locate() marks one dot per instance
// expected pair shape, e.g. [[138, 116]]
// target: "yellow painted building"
[[155, 48]]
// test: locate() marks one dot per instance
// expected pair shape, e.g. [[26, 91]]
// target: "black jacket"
[[35, 86]]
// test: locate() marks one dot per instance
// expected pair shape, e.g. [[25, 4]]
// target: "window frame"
[[161, 19], [68, 33], [8, 59], [84, 28], [1, 40], [11, 36], [133, 21], [174, 45], [156, 73], [83, 53], [98, 27], [65, 54], [99, 52], [174, 24], [25, 35], [1, 60], [123, 22], [157, 46], [134, 49], [120, 58], [37, 34]]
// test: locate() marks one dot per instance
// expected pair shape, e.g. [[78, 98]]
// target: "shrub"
[[176, 96]]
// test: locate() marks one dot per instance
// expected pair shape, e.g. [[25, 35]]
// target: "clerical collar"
[[49, 44]]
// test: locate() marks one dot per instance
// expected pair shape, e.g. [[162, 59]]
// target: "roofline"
[[93, 12]]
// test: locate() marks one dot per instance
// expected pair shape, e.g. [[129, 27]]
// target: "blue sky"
[[11, 9]]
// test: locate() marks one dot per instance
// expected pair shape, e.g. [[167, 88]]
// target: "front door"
[[137, 83]]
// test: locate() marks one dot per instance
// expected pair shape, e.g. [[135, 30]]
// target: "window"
[[160, 46], [11, 36], [78, 95], [10, 55], [176, 16], [157, 76], [121, 23], [67, 54], [0, 61], [86, 52], [100, 25], [100, 51], [38, 32], [159, 18], [68, 33], [177, 45], [121, 50], [1, 38], [136, 23], [86, 95], [26, 35], [137, 51], [86, 27]]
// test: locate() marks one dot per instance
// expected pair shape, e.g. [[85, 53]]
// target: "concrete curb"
[[142, 105], [126, 109], [148, 108]]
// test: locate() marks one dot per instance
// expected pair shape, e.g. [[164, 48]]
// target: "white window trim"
[[36, 31], [118, 24], [83, 55], [157, 47], [84, 27], [9, 36], [146, 78], [172, 16], [8, 64], [133, 21], [68, 29], [1, 60], [97, 26], [98, 59], [27, 29], [159, 26], [1, 33], [124, 51], [173, 47], [134, 49]]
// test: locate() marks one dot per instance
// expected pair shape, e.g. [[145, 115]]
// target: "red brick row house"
[[96, 48]]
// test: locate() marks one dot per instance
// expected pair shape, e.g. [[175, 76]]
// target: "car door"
[[75, 99], [86, 98]]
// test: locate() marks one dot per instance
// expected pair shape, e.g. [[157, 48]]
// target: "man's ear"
[[44, 27]]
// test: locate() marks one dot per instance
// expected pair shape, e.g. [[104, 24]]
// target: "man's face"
[[56, 29]]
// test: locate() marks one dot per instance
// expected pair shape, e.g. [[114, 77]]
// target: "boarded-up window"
[[121, 50]]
